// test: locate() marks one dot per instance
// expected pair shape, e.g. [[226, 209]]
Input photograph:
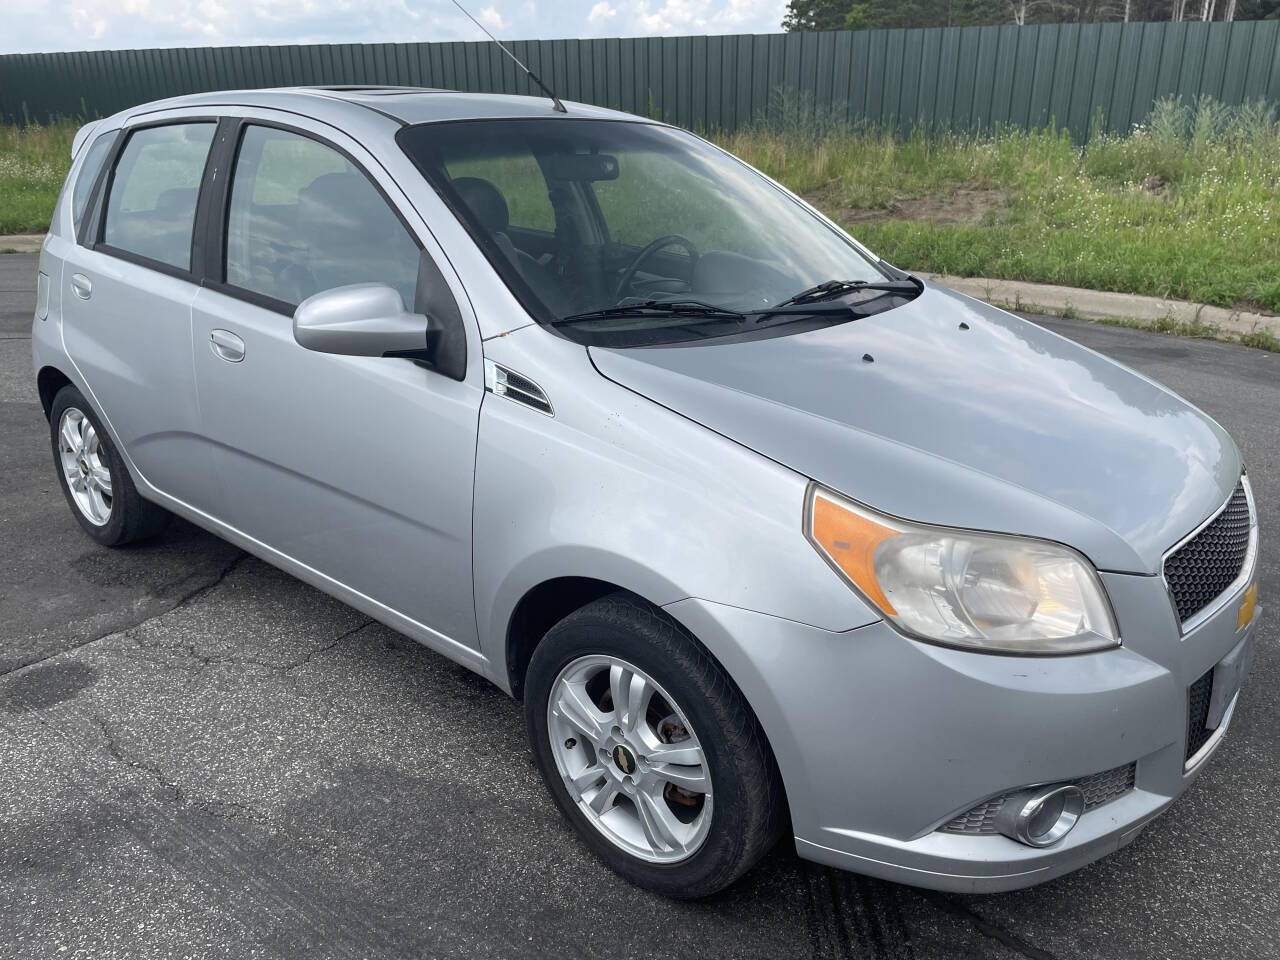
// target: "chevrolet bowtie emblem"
[[623, 759]]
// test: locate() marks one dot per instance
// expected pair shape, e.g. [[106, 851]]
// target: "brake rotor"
[[671, 730]]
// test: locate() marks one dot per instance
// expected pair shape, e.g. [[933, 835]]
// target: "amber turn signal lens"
[[1247, 607], [963, 588], [849, 541]]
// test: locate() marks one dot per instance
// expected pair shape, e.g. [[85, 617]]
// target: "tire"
[[113, 514], [744, 803]]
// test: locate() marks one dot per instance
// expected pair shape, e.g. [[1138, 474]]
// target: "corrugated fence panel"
[[971, 78], [1273, 86]]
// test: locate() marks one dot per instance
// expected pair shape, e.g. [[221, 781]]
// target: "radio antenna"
[[532, 76]]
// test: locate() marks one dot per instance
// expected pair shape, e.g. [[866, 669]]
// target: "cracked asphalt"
[[203, 757]]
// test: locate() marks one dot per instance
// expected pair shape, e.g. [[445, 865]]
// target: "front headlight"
[[982, 591]]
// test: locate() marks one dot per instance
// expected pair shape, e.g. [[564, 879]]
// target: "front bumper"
[[881, 739]]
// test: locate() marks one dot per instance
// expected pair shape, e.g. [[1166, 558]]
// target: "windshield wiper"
[[657, 308], [800, 304], [835, 288]]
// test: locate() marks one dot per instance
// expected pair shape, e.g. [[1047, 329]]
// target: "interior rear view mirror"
[[581, 166]]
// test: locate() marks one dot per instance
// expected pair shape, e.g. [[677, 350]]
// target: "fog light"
[[1041, 816]]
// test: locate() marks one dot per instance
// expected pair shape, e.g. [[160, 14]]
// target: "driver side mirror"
[[362, 320]]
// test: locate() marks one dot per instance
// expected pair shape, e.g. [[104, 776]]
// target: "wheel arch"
[[549, 602], [48, 382], [541, 608]]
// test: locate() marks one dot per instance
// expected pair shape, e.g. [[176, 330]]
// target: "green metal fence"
[[960, 78]]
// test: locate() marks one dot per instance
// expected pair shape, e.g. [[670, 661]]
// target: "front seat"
[[351, 236], [489, 207]]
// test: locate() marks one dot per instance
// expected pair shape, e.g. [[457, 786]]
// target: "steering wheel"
[[671, 240]]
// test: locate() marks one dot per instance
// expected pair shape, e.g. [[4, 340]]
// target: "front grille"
[[1098, 789], [1207, 564], [1198, 695]]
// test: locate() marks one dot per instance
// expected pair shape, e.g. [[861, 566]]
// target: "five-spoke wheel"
[[94, 478], [83, 467], [630, 758], [649, 749]]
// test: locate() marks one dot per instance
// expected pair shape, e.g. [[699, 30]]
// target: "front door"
[[127, 307], [358, 468]]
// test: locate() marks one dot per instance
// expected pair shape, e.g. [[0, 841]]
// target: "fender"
[[615, 487]]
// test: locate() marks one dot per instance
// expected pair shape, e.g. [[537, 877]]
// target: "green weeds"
[[33, 163], [1184, 206]]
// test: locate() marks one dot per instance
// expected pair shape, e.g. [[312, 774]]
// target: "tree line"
[[867, 14]]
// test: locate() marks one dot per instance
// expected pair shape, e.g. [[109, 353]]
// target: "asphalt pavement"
[[203, 757]]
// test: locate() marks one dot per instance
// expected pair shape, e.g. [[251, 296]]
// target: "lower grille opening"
[[1198, 695], [1098, 789]]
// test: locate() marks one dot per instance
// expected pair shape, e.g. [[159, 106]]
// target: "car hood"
[[952, 412]]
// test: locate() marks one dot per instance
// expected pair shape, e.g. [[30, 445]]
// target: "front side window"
[[303, 219], [632, 214], [151, 209], [94, 158]]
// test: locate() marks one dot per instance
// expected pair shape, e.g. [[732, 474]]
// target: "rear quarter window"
[[95, 156]]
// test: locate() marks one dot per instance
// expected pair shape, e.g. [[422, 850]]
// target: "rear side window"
[[151, 208], [303, 218], [93, 160]]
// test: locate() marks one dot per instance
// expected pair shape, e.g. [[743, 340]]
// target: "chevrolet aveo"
[[769, 536]]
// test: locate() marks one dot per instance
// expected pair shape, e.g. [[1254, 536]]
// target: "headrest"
[[485, 201], [338, 202], [176, 201]]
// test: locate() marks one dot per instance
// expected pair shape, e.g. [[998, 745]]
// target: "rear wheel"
[[649, 750], [94, 478]]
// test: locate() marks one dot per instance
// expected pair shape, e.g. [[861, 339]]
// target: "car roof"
[[405, 105]]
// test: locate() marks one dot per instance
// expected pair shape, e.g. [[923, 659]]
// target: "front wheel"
[[94, 478], [649, 750]]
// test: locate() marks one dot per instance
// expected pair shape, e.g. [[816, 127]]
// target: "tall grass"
[[33, 163], [1182, 206]]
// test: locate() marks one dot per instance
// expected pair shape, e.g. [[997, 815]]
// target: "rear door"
[[360, 469], [128, 290]]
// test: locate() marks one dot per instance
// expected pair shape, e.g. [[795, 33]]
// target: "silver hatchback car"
[[769, 536]]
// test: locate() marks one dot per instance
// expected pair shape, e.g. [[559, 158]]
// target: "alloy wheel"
[[84, 468], [629, 758]]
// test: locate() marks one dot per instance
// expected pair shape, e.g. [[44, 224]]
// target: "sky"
[[35, 26]]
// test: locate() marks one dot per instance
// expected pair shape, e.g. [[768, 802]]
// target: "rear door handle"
[[82, 286], [227, 345]]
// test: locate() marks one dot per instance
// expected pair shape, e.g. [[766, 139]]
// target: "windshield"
[[596, 217]]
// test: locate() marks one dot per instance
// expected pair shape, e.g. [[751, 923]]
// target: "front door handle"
[[82, 286], [227, 345]]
